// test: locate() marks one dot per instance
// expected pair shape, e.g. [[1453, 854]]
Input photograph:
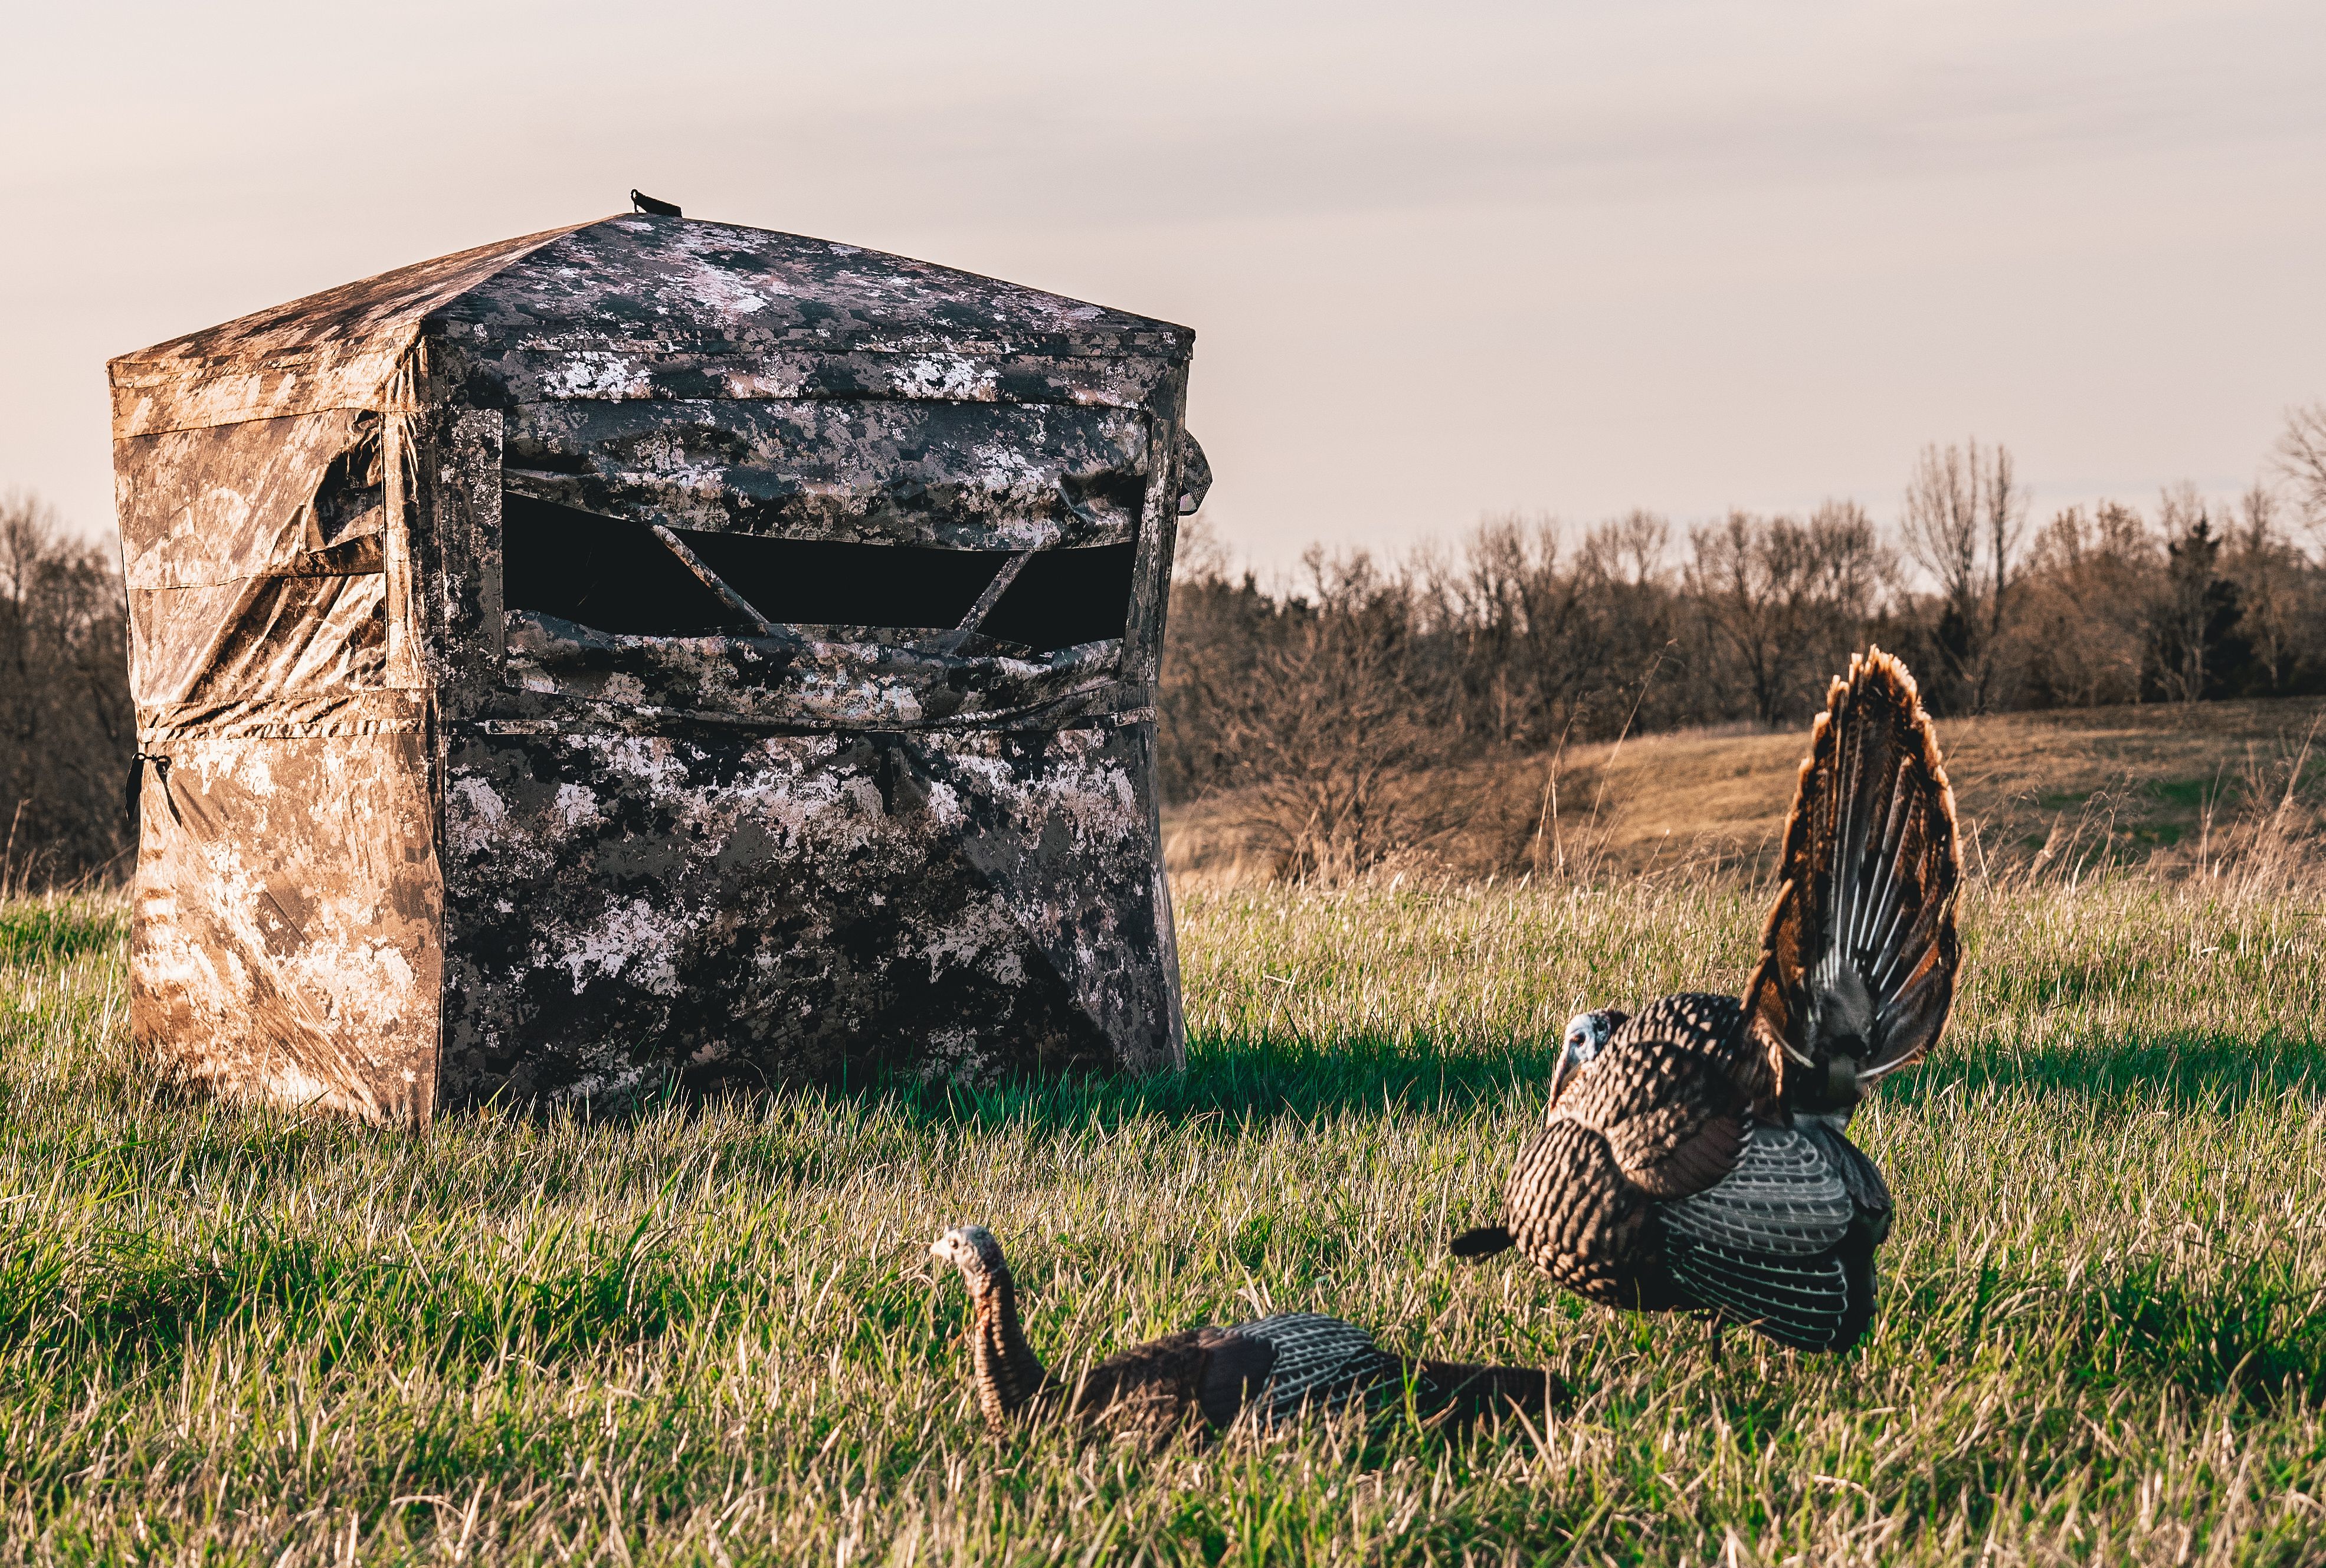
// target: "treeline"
[[67, 732], [1318, 705], [1317, 702]]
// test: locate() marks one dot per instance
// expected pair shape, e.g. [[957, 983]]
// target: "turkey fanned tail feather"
[[1858, 958]]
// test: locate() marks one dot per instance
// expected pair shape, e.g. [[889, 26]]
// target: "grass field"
[[708, 1333]]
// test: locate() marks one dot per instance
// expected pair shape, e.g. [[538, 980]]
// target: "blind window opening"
[[623, 577]]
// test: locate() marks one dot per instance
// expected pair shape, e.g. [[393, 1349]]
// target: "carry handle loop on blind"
[[132, 788]]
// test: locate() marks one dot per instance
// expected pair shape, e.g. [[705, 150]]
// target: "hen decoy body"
[[1694, 1156], [1271, 1370]]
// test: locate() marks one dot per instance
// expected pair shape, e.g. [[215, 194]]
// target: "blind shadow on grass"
[[1251, 1084], [1243, 1089], [1254, 1084], [2186, 1071], [1239, 1084], [1246, 1085]]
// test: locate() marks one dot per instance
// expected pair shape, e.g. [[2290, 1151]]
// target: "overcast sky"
[[1441, 261]]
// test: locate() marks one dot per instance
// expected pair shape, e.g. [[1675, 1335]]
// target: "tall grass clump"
[[708, 1332]]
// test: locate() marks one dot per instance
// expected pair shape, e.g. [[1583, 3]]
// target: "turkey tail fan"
[[1857, 962]]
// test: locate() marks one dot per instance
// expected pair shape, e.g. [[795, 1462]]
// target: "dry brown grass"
[[2219, 788]]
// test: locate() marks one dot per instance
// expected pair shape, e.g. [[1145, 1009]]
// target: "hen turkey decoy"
[[1272, 1371], [1694, 1156]]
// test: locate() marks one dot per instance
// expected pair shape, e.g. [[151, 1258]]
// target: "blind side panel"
[[254, 563], [200, 508], [259, 639], [285, 945]]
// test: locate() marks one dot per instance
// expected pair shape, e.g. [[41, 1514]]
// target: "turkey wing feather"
[[1782, 1198], [1315, 1359], [1801, 1301]]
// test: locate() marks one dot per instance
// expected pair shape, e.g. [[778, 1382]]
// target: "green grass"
[[708, 1335]]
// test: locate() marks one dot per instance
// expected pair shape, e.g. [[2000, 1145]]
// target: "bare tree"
[[2280, 614], [1941, 523], [2085, 608], [1781, 597], [1965, 517], [1851, 568], [1542, 641], [1323, 715], [2003, 505], [1740, 592], [1486, 605], [2195, 644], [1199, 554], [2301, 461], [1634, 549], [66, 728]]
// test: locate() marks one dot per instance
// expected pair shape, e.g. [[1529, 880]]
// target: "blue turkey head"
[[1587, 1035]]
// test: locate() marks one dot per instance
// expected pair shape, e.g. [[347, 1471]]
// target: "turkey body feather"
[[1697, 1159]]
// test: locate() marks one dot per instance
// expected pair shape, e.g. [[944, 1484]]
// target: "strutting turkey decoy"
[[1694, 1156], [1275, 1369]]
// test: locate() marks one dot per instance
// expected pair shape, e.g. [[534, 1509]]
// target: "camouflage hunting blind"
[[652, 649]]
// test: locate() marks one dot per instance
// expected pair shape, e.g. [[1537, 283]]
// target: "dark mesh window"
[[617, 576], [1065, 597], [816, 582], [603, 572]]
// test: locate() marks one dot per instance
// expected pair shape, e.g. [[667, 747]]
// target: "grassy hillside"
[[2175, 786], [708, 1334]]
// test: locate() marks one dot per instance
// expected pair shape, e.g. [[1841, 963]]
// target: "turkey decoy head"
[[1003, 1368], [972, 1249], [1587, 1035]]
